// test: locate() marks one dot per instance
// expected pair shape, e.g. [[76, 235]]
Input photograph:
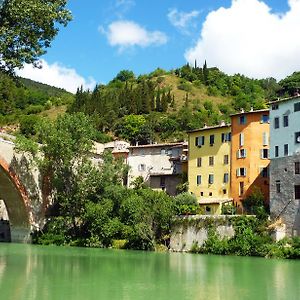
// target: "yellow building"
[[209, 166]]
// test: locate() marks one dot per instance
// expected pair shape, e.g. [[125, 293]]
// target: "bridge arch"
[[17, 202]]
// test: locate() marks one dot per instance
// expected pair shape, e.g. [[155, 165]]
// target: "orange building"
[[249, 154]]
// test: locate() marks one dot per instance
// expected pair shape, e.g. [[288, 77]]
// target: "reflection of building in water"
[[5, 235]]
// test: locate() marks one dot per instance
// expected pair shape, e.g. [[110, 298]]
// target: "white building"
[[285, 163], [285, 127], [160, 165]]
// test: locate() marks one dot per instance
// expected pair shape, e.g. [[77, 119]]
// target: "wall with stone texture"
[[284, 205], [185, 232]]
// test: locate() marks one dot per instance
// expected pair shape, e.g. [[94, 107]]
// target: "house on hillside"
[[160, 165], [285, 163]]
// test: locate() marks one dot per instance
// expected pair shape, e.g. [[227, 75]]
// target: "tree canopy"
[[27, 28]]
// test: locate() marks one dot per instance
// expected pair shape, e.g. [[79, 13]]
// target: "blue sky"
[[106, 36]]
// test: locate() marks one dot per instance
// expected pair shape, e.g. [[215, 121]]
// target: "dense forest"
[[160, 106], [163, 105], [21, 97]]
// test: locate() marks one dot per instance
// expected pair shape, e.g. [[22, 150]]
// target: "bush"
[[186, 204]]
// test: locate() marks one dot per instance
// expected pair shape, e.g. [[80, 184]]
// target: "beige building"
[[160, 165]]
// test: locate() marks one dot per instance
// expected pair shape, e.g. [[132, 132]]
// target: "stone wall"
[[283, 204], [188, 230]]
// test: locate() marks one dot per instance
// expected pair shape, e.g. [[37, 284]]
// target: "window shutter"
[[238, 172], [241, 139], [238, 154], [223, 137], [265, 139], [197, 141], [202, 141]]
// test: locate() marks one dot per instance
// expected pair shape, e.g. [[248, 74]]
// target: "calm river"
[[38, 273]]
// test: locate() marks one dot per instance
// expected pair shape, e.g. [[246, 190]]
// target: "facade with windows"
[[249, 154], [209, 166], [285, 163], [160, 165]]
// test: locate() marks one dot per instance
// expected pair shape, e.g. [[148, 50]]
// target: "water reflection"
[[35, 273]]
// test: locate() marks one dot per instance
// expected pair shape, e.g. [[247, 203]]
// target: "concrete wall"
[[184, 236], [284, 205]]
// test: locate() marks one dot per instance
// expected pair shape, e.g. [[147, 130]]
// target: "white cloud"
[[182, 20], [126, 34], [248, 38], [57, 75], [121, 7]]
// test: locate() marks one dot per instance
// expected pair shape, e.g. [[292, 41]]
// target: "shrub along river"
[[48, 272]]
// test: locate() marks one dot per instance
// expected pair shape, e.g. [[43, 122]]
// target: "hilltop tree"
[[27, 28]]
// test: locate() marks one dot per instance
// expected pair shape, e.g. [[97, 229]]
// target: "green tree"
[[27, 28]]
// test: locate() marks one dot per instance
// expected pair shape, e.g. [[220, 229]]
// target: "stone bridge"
[[21, 191]]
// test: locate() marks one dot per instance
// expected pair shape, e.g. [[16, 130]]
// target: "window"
[[241, 172], [226, 137], [142, 167], [276, 151], [241, 188], [264, 153], [276, 122], [297, 192], [162, 151], [199, 162], [297, 106], [226, 178], [199, 179], [297, 137], [211, 161], [274, 106], [265, 138], [277, 185], [286, 150], [242, 120], [224, 191], [210, 194], [211, 178], [242, 140], [297, 167], [162, 182], [285, 121], [199, 141], [201, 194], [241, 153], [265, 118], [142, 152], [264, 172], [211, 139], [226, 159]]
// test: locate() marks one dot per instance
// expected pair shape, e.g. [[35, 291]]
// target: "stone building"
[[285, 163]]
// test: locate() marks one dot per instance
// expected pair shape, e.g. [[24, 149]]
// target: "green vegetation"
[[23, 97], [90, 205], [252, 238], [27, 28]]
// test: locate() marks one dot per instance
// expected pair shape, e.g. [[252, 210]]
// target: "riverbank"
[[230, 235]]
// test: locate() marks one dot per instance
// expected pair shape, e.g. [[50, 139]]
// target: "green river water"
[[38, 273]]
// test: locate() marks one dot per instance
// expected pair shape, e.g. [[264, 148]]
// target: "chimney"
[[251, 109], [242, 110], [222, 123]]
